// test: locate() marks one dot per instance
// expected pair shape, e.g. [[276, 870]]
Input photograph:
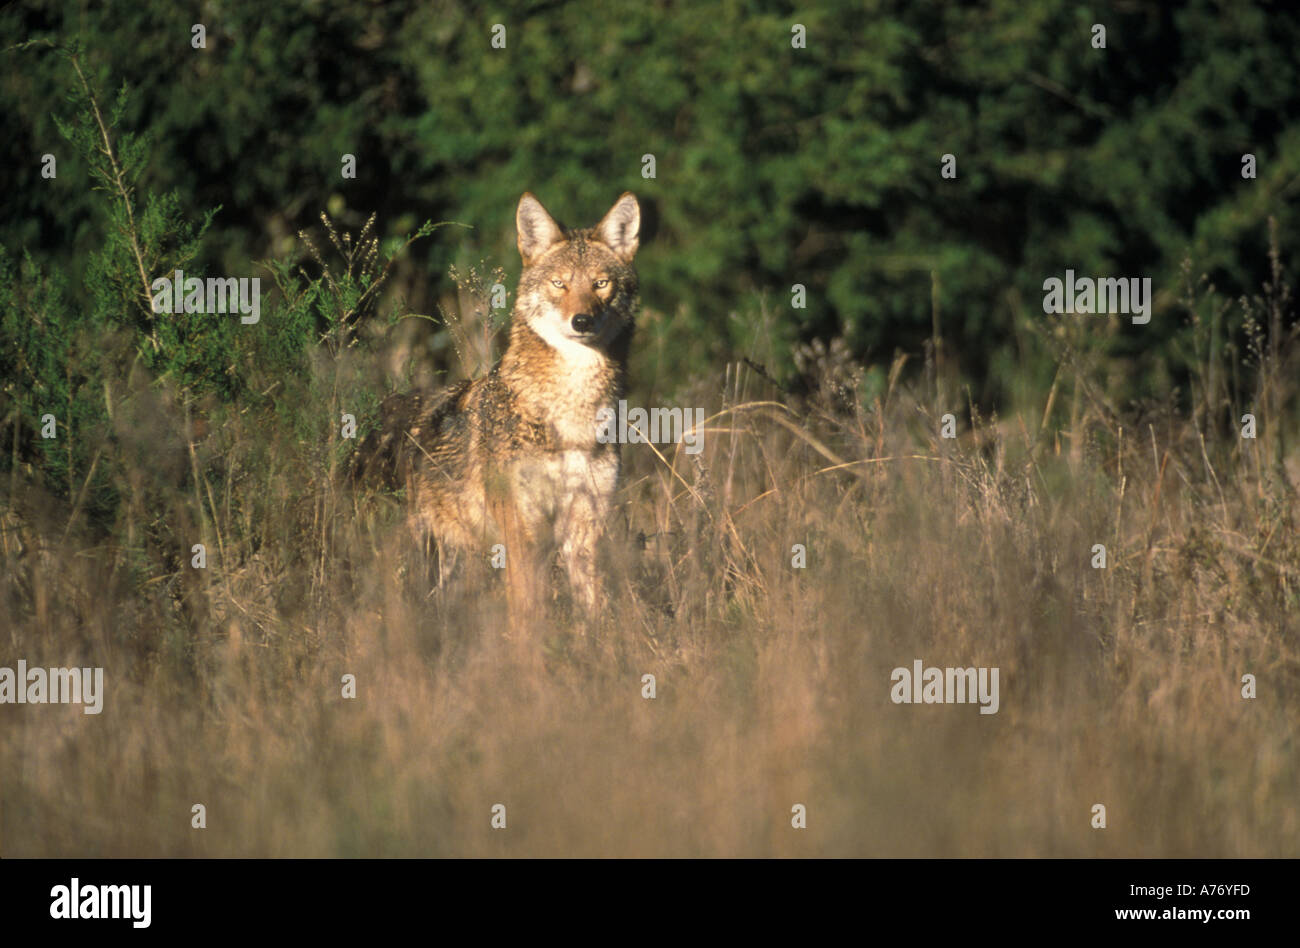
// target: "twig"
[[124, 192]]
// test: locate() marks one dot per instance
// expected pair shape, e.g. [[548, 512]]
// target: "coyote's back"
[[514, 457]]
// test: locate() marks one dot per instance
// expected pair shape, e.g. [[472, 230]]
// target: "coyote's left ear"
[[536, 228], [620, 230]]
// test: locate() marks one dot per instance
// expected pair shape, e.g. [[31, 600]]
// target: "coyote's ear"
[[537, 229], [620, 230]]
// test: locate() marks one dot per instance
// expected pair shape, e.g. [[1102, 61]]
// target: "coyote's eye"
[[559, 283], [601, 284]]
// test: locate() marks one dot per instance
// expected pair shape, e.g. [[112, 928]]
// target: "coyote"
[[513, 456]]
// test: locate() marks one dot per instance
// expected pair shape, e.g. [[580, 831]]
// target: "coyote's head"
[[578, 289]]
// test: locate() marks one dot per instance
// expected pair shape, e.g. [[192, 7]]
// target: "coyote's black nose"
[[583, 323]]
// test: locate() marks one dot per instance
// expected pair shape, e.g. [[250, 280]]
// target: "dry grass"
[[1119, 686]]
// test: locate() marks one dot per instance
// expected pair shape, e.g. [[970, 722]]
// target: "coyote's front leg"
[[523, 581], [578, 532]]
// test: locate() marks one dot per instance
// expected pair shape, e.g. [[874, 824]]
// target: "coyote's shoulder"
[[515, 456]]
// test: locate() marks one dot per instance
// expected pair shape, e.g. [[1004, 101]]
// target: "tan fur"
[[513, 457]]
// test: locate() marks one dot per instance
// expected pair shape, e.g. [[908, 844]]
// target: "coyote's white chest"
[[575, 398], [561, 483]]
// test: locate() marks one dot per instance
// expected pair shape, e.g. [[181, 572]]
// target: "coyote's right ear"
[[620, 229], [537, 229]]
